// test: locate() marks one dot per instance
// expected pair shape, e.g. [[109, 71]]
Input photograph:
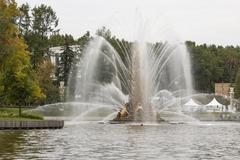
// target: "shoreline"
[[31, 124]]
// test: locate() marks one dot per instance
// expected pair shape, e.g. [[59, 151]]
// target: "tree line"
[[26, 72], [214, 64]]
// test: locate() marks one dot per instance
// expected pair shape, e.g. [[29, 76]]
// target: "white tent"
[[191, 106], [214, 102], [214, 105], [191, 102]]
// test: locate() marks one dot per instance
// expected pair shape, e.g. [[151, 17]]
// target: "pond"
[[90, 140]]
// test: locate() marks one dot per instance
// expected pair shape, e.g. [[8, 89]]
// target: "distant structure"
[[54, 54], [232, 106], [62, 90], [227, 90], [215, 106], [222, 89]]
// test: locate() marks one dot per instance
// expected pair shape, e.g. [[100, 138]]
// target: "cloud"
[[209, 21]]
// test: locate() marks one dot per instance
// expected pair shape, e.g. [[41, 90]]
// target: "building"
[[55, 52], [222, 89], [226, 90]]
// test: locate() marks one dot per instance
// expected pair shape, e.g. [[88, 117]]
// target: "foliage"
[[20, 85], [17, 79], [60, 40], [104, 32], [83, 41], [8, 12], [36, 27], [44, 20], [237, 85], [56, 40], [24, 20], [45, 74], [66, 62], [211, 64]]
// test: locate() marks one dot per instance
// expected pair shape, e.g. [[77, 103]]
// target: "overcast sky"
[[209, 21]]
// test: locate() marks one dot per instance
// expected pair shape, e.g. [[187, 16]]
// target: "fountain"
[[121, 81], [138, 80]]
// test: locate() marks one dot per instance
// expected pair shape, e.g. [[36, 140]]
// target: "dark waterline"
[[217, 140]]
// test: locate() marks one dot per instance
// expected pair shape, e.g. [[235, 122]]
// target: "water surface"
[[218, 140]]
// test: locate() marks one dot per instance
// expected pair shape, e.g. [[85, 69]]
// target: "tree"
[[232, 62], [24, 20], [44, 23], [83, 41], [36, 29], [45, 20], [56, 40], [207, 66], [38, 46], [66, 62], [104, 32], [18, 84], [45, 74], [237, 85], [18, 79], [7, 14]]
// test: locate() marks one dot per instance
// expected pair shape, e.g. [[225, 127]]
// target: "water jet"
[[138, 79]]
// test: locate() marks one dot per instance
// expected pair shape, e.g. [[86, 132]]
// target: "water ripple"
[[105, 141]]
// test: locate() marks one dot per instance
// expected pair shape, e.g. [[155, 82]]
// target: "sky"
[[203, 21]]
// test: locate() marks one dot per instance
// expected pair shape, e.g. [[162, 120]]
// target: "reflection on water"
[[10, 142], [106, 141]]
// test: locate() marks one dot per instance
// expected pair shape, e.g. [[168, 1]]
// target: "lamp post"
[[231, 99], [61, 90]]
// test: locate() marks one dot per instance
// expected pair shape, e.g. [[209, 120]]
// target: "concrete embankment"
[[31, 124], [217, 116]]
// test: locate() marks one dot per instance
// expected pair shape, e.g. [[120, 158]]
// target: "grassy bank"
[[13, 114]]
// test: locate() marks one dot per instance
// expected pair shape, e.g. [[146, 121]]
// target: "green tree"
[[36, 29], [18, 84], [45, 20], [45, 75], [206, 66], [24, 20], [66, 62], [56, 40], [237, 85], [59, 40], [104, 32], [232, 62], [44, 23], [38, 46], [83, 41], [7, 19], [18, 79]]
